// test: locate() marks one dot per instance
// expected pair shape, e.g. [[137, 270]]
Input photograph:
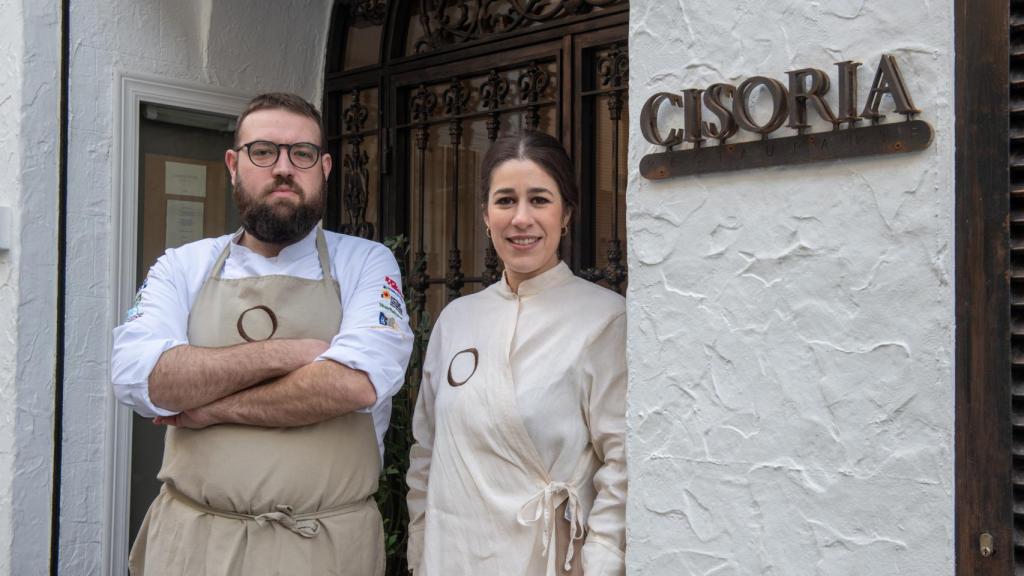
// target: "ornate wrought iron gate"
[[415, 92]]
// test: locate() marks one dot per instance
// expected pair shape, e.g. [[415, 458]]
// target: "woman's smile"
[[524, 242]]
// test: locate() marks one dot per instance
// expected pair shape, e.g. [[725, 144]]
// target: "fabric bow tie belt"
[[543, 508], [306, 525]]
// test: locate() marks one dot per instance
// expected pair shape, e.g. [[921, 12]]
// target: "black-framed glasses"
[[264, 153]]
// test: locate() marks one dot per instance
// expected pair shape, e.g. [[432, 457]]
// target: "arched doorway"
[[414, 94]]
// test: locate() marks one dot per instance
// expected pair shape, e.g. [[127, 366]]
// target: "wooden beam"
[[984, 498]]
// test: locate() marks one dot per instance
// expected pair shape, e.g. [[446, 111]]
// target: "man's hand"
[[187, 377]]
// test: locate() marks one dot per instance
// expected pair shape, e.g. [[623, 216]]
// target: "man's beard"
[[280, 222]]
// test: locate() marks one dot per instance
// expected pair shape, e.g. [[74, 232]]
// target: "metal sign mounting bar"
[[893, 138]]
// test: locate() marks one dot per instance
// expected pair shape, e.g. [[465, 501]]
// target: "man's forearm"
[[187, 377], [311, 394]]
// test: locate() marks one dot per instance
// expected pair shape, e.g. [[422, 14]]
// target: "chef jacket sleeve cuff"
[[131, 367], [601, 558], [386, 371], [136, 396]]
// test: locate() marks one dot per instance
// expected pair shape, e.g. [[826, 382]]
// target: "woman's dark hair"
[[539, 148]]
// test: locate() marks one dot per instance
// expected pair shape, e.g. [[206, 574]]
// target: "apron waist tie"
[[306, 525], [544, 505]]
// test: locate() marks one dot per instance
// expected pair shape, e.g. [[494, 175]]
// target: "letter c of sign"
[[649, 120], [476, 360], [273, 323]]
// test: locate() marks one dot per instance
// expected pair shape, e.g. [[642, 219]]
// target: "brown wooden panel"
[[983, 431], [154, 224]]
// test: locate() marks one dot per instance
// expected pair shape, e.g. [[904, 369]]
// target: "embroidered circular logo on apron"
[[257, 327], [463, 366]]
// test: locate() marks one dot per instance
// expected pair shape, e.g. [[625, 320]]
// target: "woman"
[[519, 465]]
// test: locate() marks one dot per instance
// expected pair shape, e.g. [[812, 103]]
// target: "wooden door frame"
[[984, 498]]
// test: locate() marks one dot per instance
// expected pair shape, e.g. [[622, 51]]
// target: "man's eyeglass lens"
[[264, 154]]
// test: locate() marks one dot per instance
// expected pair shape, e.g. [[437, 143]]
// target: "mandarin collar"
[[556, 276], [289, 253]]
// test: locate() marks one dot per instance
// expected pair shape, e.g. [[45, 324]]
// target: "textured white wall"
[[790, 338], [29, 96], [245, 45], [10, 171]]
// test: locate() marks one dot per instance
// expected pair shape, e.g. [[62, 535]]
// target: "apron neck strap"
[[219, 264], [321, 252]]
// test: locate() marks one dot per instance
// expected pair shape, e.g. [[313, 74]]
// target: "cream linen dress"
[[520, 434]]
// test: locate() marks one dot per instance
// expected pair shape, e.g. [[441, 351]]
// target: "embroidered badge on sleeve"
[[135, 311], [387, 321], [392, 307]]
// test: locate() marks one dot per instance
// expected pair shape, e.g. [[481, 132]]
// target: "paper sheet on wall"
[[184, 222], [182, 179]]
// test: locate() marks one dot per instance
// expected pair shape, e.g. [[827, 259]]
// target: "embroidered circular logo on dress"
[[257, 323], [463, 366]]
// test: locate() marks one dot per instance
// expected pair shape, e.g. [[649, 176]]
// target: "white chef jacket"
[[521, 408], [374, 335]]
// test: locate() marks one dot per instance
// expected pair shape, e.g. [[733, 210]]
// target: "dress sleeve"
[[374, 336], [422, 449], [156, 322], [605, 364]]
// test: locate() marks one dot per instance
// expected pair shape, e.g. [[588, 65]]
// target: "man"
[[271, 355]]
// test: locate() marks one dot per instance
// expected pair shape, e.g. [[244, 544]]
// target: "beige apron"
[[245, 500]]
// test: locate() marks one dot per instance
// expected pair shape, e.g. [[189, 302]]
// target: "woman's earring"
[[487, 231], [565, 230]]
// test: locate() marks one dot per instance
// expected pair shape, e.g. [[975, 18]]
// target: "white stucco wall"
[[244, 45], [29, 106], [10, 163], [790, 328]]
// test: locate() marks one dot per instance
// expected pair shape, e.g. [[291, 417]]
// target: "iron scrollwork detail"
[[421, 107], [422, 104], [613, 69], [532, 83], [446, 22], [614, 273], [456, 98], [374, 12], [356, 179], [493, 93], [490, 274]]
